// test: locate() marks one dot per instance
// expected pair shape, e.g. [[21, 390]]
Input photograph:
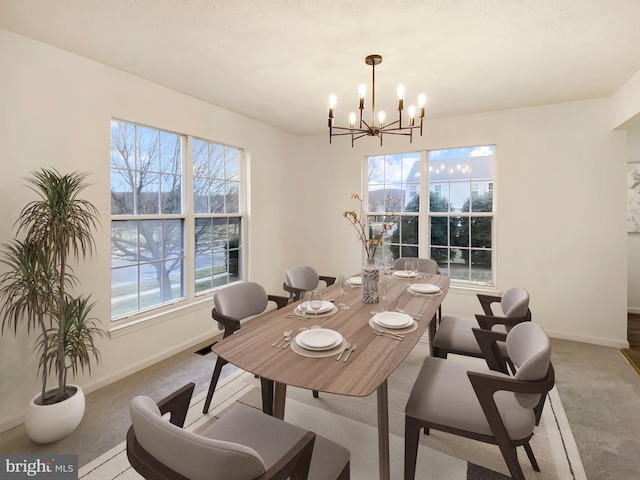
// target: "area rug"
[[352, 423]]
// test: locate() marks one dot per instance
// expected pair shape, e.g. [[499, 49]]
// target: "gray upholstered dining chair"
[[425, 265], [233, 304], [455, 334], [483, 404], [303, 278], [244, 444]]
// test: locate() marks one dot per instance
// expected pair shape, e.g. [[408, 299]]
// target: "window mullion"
[[189, 222]]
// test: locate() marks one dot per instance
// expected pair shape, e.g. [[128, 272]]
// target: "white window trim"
[[148, 317]]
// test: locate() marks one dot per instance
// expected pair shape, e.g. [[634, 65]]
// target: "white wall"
[[560, 191], [56, 110]]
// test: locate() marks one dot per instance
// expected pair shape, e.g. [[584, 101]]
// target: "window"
[[152, 247], [461, 212], [216, 200], [394, 187], [459, 219]]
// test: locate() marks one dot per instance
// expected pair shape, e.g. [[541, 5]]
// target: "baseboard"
[[605, 342], [634, 310], [92, 386]]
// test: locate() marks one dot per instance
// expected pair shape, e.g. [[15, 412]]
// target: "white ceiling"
[[278, 61]]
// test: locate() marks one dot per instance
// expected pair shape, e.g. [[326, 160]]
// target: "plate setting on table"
[[327, 308], [425, 289], [318, 342], [404, 274], [355, 281], [393, 322]]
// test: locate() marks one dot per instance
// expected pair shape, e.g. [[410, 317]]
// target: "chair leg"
[[532, 458], [316, 394], [214, 381], [510, 456], [411, 434]]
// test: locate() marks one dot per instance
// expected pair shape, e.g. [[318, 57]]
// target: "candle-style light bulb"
[[352, 120], [362, 91], [412, 115], [332, 104], [400, 97], [381, 118], [422, 100]]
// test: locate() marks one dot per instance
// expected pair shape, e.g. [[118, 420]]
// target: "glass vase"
[[370, 277]]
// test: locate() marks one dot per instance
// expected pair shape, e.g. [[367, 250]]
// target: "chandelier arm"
[[350, 130]]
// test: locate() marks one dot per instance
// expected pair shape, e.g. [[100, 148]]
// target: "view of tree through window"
[[216, 191], [459, 217], [149, 221], [461, 212], [394, 187]]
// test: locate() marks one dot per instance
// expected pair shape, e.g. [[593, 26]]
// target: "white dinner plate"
[[318, 339], [404, 274], [393, 319], [325, 307], [424, 288], [355, 281]]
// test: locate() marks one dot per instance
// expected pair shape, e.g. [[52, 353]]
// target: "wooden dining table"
[[368, 367]]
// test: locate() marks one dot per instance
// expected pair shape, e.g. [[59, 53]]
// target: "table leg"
[[267, 396], [279, 396], [383, 431]]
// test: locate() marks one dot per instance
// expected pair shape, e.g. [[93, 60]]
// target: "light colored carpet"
[[352, 423]]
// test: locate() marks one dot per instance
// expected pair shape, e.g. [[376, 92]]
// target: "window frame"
[[425, 215], [190, 295]]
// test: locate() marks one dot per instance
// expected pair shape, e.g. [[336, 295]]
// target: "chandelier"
[[379, 128]]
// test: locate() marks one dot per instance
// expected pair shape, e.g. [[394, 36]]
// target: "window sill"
[[144, 320], [468, 289]]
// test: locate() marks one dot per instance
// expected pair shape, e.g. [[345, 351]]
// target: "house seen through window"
[[456, 226]]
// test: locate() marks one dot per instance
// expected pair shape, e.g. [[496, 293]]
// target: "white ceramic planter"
[[50, 423]]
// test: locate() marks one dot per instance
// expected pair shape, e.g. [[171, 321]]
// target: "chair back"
[[515, 302], [192, 456], [241, 300], [425, 265], [302, 277], [529, 349]]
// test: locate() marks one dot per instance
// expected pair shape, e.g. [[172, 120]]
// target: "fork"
[[388, 334], [346, 348], [286, 335], [355, 345]]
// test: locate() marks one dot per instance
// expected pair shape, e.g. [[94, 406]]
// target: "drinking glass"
[[408, 268], [302, 306], [343, 285], [382, 292], [414, 267], [315, 302], [388, 263]]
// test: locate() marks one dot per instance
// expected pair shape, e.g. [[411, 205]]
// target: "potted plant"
[[36, 293]]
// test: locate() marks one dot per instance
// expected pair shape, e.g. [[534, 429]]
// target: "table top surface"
[[375, 358]]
